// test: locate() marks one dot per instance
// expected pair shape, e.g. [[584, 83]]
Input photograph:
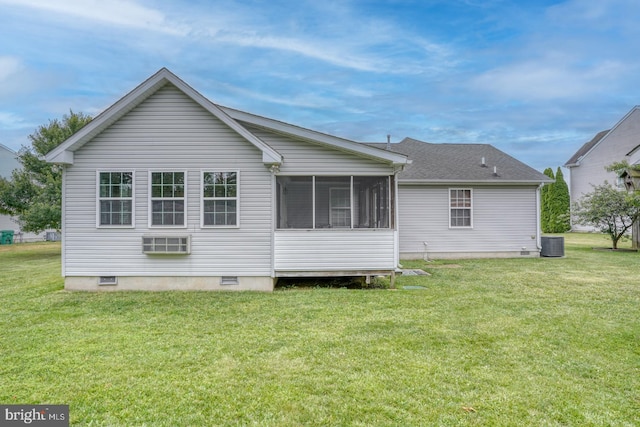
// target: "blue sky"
[[534, 78]]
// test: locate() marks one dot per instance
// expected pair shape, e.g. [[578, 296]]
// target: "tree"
[[619, 167], [545, 210], [555, 204], [34, 193], [559, 205], [624, 168], [608, 209]]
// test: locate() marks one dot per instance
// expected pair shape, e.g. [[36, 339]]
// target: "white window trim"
[[150, 199], [470, 208], [332, 208], [133, 199], [202, 198]]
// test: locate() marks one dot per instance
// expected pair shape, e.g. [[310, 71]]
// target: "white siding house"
[[9, 162], [166, 190], [466, 201], [587, 166]]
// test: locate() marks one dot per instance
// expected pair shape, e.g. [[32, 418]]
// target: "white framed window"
[[460, 208], [167, 198], [166, 245], [220, 200], [340, 207], [115, 196]]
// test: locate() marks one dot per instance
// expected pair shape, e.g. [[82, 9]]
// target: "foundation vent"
[[107, 280], [229, 280]]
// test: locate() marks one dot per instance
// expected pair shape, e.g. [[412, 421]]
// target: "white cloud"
[[305, 100], [337, 36], [552, 76], [10, 120], [114, 12], [16, 80], [306, 48], [531, 80], [9, 66]]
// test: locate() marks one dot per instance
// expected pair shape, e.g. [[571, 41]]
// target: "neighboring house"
[[9, 162], [166, 190], [587, 167], [466, 200]]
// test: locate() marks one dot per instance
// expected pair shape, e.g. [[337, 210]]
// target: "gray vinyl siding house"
[[9, 162], [498, 215], [166, 190], [587, 166]]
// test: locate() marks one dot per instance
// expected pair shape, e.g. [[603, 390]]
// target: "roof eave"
[[471, 182], [335, 142], [64, 152]]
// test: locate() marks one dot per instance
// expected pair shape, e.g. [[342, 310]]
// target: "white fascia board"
[[318, 137], [4, 147], [269, 155], [637, 107], [109, 116], [134, 98], [64, 157], [470, 183]]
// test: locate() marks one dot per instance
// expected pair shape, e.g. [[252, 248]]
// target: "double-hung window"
[[460, 208], [168, 203], [340, 207], [115, 199], [219, 199]]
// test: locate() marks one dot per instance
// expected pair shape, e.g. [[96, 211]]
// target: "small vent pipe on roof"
[[495, 171], [483, 163], [388, 142]]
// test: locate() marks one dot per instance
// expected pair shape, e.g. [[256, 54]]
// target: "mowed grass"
[[509, 342]]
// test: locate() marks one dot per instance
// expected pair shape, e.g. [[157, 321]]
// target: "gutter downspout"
[[538, 218], [396, 214], [63, 223], [274, 169]]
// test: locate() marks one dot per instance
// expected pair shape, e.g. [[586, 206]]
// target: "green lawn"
[[520, 342]]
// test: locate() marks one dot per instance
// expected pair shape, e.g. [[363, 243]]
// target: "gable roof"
[[600, 137], [64, 152], [462, 163], [573, 161], [232, 118]]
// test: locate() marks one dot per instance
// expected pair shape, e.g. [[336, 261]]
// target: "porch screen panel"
[[371, 202], [295, 201]]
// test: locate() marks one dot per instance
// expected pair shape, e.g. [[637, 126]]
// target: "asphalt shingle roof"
[[461, 163], [586, 147]]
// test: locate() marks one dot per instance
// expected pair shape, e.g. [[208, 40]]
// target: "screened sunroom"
[[337, 225], [318, 202]]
